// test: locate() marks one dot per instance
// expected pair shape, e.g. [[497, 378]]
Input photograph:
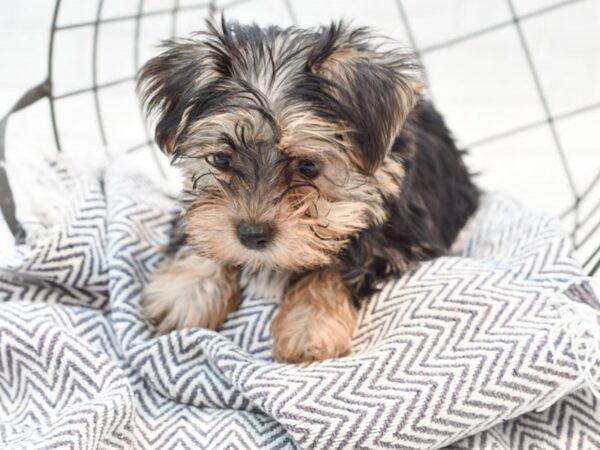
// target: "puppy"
[[311, 157]]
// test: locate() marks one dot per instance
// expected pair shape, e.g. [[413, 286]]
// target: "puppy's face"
[[283, 137]]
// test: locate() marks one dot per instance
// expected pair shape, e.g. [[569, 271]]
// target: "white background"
[[483, 85]]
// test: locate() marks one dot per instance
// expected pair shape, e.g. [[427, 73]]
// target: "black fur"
[[437, 199]]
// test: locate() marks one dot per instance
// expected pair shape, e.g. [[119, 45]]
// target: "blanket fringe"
[[580, 323]]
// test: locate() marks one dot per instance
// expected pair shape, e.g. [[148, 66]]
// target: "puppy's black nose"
[[255, 236]]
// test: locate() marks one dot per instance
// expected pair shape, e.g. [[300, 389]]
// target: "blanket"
[[494, 346]]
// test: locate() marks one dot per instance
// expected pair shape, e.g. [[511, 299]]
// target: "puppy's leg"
[[316, 319], [190, 291]]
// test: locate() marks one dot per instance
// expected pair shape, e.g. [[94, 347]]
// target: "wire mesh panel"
[[517, 111]]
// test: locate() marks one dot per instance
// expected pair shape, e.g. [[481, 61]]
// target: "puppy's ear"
[[370, 89], [166, 85], [182, 81], [171, 87]]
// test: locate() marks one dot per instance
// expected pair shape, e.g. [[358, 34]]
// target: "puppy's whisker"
[[226, 139], [295, 187], [324, 216], [225, 187], [339, 184], [197, 178], [241, 175], [189, 193], [286, 159], [320, 237]]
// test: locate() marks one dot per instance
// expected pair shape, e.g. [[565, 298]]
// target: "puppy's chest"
[[265, 283]]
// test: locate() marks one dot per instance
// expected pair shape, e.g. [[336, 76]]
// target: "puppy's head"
[[284, 137]]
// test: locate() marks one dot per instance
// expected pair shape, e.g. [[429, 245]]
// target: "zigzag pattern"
[[571, 423], [55, 390], [67, 266], [454, 353]]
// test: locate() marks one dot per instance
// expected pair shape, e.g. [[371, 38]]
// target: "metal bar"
[[139, 146], [110, 20], [174, 17], [32, 95], [157, 12], [229, 4], [544, 101], [583, 195], [589, 260], [576, 111], [95, 75], [594, 209], [193, 7], [413, 43], [7, 201], [466, 37], [136, 66], [407, 26], [212, 9], [496, 26], [506, 133], [532, 125], [588, 235], [291, 11], [91, 89], [50, 75], [594, 269], [591, 186]]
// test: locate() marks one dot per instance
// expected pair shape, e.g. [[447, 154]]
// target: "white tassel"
[[581, 324]]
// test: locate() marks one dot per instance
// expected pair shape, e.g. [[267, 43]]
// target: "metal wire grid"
[[588, 243]]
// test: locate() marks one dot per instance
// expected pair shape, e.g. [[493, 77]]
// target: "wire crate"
[[125, 34]]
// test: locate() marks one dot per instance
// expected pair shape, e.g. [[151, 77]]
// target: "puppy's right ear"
[[169, 84]]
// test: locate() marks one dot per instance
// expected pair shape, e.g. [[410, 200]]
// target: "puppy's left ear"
[[167, 84], [370, 89]]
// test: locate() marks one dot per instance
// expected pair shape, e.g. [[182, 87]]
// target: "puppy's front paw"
[[190, 291], [304, 335], [315, 322]]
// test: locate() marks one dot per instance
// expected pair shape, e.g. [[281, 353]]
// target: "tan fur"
[[316, 320], [389, 176], [190, 291]]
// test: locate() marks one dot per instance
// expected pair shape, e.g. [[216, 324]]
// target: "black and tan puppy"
[[311, 159]]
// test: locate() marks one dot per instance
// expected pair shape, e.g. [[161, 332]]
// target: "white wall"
[[483, 85]]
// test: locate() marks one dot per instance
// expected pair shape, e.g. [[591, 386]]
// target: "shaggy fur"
[[201, 293], [309, 153]]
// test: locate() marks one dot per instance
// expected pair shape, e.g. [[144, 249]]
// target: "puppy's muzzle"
[[255, 236]]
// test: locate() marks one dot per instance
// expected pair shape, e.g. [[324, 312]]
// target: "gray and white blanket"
[[493, 347]]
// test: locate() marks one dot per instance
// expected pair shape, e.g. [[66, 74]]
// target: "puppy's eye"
[[221, 161], [308, 168]]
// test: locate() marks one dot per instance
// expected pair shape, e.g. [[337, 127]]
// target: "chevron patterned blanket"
[[492, 347]]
